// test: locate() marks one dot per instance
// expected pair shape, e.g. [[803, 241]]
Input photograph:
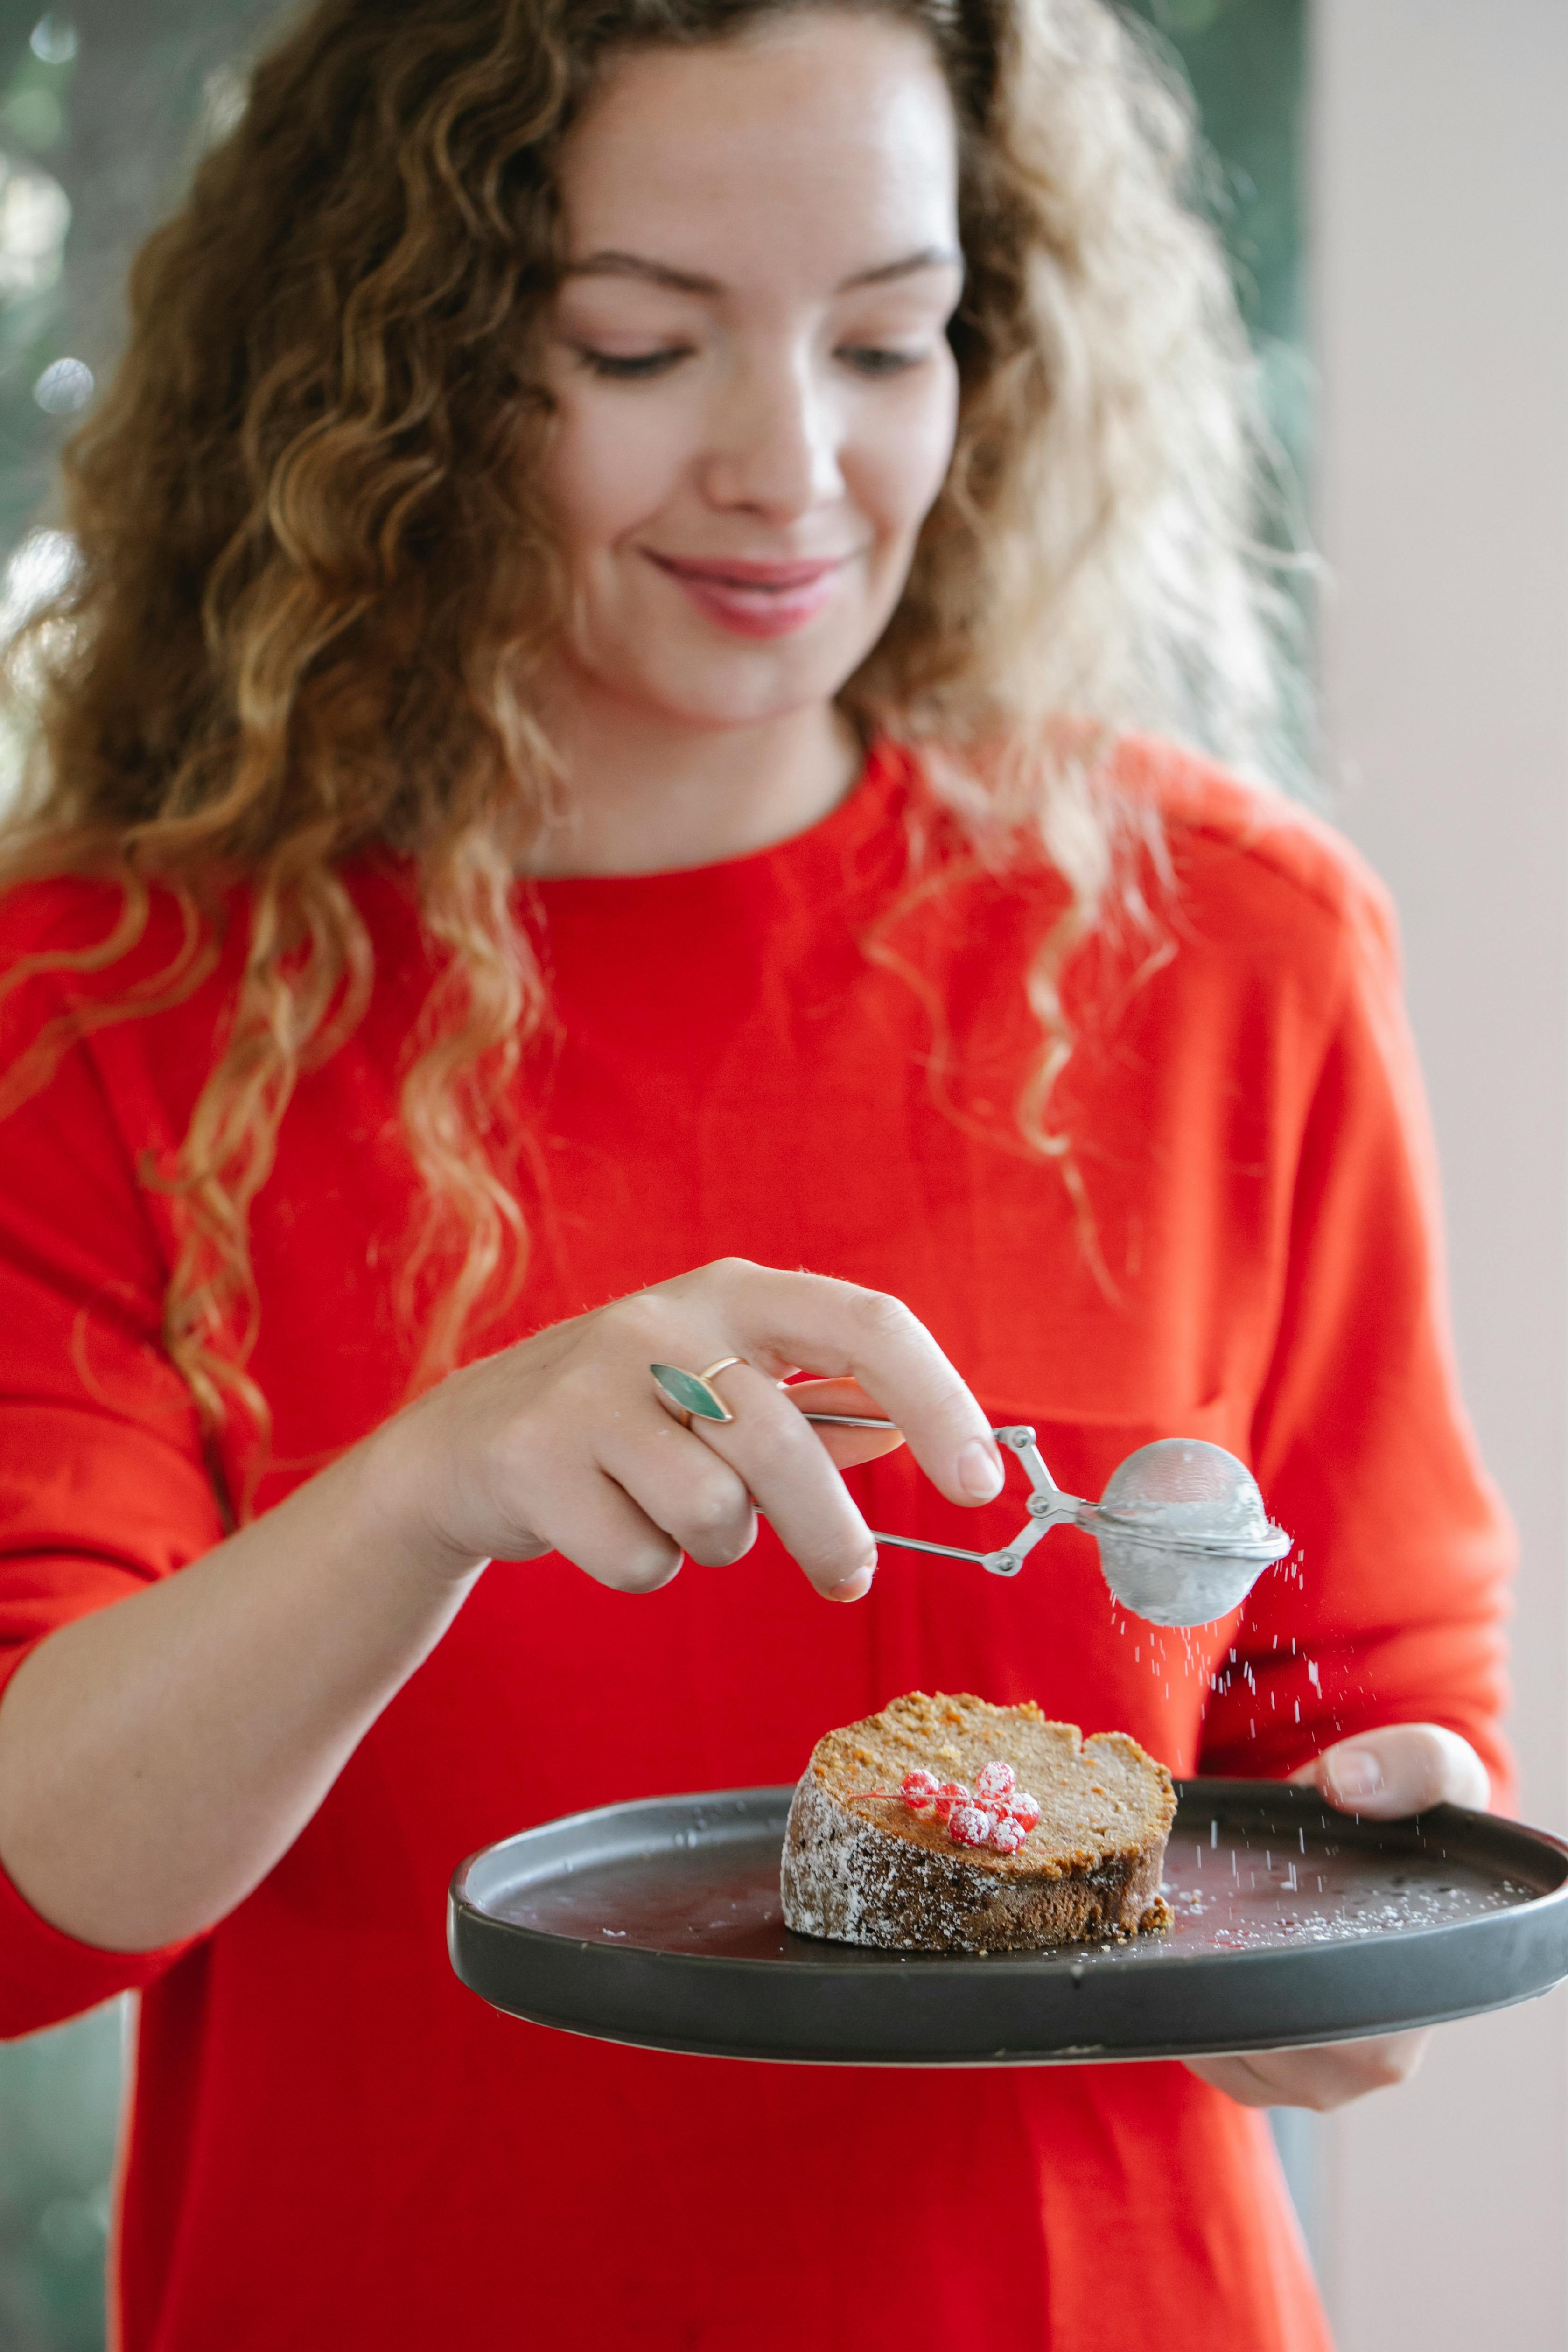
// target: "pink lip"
[[751, 599]]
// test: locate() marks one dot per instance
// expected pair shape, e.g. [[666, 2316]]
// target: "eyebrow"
[[612, 264]]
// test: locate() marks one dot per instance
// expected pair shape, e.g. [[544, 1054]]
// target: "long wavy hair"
[[314, 581]]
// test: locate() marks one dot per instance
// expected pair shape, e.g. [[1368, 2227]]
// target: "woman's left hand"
[[1386, 1775]]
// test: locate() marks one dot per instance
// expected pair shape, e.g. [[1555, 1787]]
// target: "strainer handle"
[[1048, 1506], [1017, 1436]]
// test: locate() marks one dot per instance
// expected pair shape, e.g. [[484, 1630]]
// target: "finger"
[[599, 1527], [846, 1447], [1236, 2077], [1399, 1769], [1326, 2076], [775, 1451], [868, 1336], [680, 1485]]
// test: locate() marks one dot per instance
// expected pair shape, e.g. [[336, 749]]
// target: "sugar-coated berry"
[[970, 1824], [1008, 1834], [919, 1788], [951, 1793], [1025, 1809], [995, 1783]]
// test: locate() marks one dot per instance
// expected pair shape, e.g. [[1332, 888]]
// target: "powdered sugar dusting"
[[844, 1879]]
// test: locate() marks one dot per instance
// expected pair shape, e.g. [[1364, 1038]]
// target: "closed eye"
[[874, 360], [635, 367]]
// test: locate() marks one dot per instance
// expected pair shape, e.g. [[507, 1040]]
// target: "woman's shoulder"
[[1220, 841], [79, 956], [70, 941], [63, 914], [1242, 879], [87, 937], [1245, 848]]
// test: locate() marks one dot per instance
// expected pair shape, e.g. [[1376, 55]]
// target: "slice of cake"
[[949, 1825]]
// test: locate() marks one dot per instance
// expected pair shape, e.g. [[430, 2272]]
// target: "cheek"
[[606, 473], [902, 456]]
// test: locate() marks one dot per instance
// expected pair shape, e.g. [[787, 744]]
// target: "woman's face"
[[756, 396]]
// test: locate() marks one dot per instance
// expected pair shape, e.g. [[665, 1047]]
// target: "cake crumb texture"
[[863, 1869]]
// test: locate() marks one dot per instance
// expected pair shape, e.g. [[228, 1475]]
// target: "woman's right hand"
[[159, 1755], [561, 1443]]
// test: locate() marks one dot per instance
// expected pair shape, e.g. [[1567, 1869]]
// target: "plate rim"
[[875, 1961]]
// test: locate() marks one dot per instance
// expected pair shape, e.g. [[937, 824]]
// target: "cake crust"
[[861, 1869]]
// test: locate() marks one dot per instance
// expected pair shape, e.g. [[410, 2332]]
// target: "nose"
[[775, 441]]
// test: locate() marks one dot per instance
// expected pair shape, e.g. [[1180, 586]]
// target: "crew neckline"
[[866, 811]]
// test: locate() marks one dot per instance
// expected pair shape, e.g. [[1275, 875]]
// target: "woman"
[[591, 767]]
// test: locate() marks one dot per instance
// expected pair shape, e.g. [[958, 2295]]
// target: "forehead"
[[826, 141]]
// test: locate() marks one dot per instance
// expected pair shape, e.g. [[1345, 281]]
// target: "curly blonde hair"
[[315, 581]]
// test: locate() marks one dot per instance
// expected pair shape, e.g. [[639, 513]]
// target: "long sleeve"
[[1393, 1607], [102, 1485]]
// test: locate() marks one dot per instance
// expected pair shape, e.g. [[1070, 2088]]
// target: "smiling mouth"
[[749, 598], [740, 572]]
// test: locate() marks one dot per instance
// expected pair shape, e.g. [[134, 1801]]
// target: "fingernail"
[[856, 1587], [1356, 1773], [979, 1472]]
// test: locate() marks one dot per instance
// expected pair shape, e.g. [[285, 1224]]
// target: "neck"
[[645, 794]]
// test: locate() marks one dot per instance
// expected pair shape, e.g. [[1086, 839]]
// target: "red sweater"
[[333, 2143]]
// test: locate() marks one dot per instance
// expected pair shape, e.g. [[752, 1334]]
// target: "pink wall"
[[1440, 177]]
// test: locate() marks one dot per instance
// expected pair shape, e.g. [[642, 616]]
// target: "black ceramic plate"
[[659, 1923]]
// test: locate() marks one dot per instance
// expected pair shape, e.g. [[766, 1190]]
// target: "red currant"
[[995, 1783], [951, 1793], [970, 1824], [918, 1789], [1008, 1834], [1025, 1809]]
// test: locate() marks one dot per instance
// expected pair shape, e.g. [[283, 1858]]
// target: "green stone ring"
[[690, 1395]]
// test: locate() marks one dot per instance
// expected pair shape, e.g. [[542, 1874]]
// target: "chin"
[[750, 693]]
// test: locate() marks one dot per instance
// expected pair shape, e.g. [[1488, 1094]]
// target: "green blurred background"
[[103, 109]]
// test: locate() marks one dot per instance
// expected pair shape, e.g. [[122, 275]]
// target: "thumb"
[[1400, 1770]]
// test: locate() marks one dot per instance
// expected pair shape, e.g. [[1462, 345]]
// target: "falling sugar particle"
[[1213, 1834]]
